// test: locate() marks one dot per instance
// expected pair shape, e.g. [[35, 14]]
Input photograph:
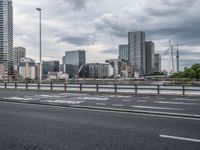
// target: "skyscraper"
[[74, 62], [137, 57], [123, 52], [6, 35], [150, 53], [157, 63], [18, 53]]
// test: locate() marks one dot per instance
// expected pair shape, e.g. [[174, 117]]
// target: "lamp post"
[[40, 10]]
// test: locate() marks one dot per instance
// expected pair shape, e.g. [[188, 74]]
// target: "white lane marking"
[[142, 101], [94, 98], [110, 110], [63, 101], [175, 103], [126, 100], [101, 104], [184, 99], [180, 138], [148, 107], [119, 96], [117, 105]]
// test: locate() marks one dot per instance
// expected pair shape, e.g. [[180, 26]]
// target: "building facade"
[[49, 66], [123, 52], [2, 72], [150, 60], [27, 69], [97, 70], [18, 53], [37, 71], [157, 63], [74, 62], [6, 35], [137, 57], [117, 66]]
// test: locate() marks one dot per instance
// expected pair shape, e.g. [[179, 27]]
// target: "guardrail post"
[[183, 89], [80, 87], [51, 86], [38, 86], [136, 89], [158, 88], [65, 86], [115, 88], [15, 85], [97, 88], [26, 86], [5, 85]]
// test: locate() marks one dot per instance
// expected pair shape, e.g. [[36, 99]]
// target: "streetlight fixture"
[[40, 10]]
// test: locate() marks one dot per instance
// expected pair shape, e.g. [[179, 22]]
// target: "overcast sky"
[[99, 26]]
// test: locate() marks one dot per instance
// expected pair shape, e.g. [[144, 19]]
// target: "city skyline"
[[99, 29]]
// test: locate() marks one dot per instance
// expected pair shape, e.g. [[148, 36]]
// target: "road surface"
[[29, 126]]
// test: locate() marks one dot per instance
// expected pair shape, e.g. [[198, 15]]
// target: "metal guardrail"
[[114, 88]]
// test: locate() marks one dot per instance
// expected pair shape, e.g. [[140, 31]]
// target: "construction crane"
[[170, 52]]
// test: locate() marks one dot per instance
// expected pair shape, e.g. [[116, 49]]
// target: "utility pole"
[[40, 36]]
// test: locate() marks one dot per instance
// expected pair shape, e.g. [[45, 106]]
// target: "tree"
[[192, 73]]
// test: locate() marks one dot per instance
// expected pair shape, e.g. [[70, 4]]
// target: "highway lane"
[[35, 127], [165, 104]]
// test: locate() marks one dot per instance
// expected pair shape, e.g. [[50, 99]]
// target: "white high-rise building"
[[6, 35], [137, 56], [27, 68]]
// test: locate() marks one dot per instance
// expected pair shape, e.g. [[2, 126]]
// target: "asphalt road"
[[44, 127], [157, 104]]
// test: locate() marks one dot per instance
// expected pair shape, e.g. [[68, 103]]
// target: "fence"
[[107, 88]]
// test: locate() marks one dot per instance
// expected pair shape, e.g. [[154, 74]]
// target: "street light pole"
[[40, 32]]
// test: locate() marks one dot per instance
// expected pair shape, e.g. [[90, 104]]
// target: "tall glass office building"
[[123, 52], [150, 60], [6, 35], [74, 62], [50, 66], [137, 57]]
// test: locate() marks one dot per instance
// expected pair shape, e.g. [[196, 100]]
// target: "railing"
[[107, 88]]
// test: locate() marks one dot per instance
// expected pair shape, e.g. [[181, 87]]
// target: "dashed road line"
[[101, 104], [175, 103], [142, 101], [126, 100], [180, 138], [148, 107]]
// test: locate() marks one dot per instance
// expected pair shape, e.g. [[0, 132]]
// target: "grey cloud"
[[82, 40], [79, 4], [168, 7], [182, 26], [110, 51]]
